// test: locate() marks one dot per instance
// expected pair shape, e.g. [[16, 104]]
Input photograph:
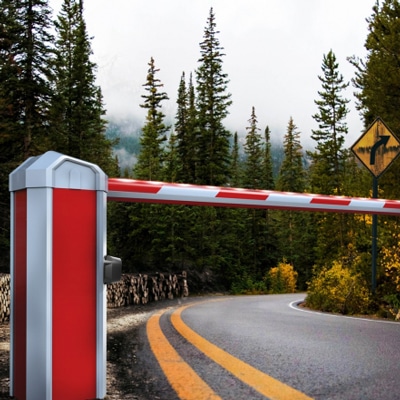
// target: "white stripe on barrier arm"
[[130, 190]]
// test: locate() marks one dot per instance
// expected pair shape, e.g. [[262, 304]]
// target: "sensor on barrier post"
[[112, 269]]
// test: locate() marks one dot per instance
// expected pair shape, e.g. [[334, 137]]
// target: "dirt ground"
[[125, 378]]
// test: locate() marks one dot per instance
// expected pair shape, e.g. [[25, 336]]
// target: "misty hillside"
[[127, 134]]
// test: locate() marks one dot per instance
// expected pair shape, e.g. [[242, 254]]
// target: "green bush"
[[337, 289], [248, 285]]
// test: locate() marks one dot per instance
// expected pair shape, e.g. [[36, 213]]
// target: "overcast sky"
[[274, 51]]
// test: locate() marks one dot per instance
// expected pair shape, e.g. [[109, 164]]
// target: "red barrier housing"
[[58, 295]]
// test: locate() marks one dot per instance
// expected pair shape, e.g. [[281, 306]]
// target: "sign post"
[[377, 148]]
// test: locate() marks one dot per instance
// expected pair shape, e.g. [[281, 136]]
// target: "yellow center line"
[[261, 382], [186, 383]]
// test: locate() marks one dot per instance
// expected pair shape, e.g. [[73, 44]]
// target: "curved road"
[[265, 347]]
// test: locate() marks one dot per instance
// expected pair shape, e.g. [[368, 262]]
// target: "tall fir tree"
[[212, 147], [329, 158], [193, 132], [253, 148], [172, 160], [270, 236], [236, 170], [185, 128], [77, 111], [292, 175], [33, 51], [377, 77], [148, 222], [212, 104], [181, 130], [294, 229], [152, 153], [377, 80], [26, 52], [269, 182], [255, 221], [10, 114], [11, 106]]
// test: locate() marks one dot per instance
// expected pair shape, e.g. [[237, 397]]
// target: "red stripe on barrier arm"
[[242, 194], [136, 186], [334, 201], [129, 190], [392, 204]]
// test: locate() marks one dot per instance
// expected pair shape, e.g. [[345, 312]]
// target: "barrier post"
[[58, 295]]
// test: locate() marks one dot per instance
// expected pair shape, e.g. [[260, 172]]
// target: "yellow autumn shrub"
[[338, 289], [391, 262], [391, 265], [283, 278]]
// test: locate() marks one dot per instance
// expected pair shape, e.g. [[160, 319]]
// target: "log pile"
[[5, 298], [131, 289], [143, 288]]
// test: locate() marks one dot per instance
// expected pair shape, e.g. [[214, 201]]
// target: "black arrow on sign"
[[382, 142]]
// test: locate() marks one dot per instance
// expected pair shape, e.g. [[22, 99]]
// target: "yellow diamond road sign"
[[377, 147]]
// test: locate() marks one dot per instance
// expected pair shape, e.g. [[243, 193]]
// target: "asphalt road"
[[258, 347]]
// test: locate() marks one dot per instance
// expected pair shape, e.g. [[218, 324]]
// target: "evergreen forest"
[[49, 100]]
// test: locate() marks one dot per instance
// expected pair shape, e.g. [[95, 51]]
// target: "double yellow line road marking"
[[186, 383], [184, 380]]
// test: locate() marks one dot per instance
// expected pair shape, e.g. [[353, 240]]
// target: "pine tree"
[[212, 107], [172, 161], [11, 105], [77, 110], [185, 128], [236, 171], [254, 173], [330, 161], [258, 237], [181, 130], [252, 179], [293, 228], [149, 227], [152, 153], [330, 156], [25, 93], [292, 176], [377, 80], [267, 162], [10, 115], [377, 77], [193, 133], [33, 53], [25, 87]]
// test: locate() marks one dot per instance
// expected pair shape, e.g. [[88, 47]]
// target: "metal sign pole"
[[374, 236]]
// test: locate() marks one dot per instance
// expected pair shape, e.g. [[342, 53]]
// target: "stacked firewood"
[[5, 299], [143, 288], [131, 289]]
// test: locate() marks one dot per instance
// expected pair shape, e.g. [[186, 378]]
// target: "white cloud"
[[274, 51]]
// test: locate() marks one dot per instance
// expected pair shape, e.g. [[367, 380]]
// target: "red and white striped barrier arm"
[[129, 190]]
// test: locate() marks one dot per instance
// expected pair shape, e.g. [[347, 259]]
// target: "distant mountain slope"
[[127, 132]]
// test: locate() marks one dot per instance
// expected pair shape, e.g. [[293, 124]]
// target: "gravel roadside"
[[126, 379]]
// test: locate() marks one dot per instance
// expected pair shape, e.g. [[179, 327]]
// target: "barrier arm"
[[130, 190]]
